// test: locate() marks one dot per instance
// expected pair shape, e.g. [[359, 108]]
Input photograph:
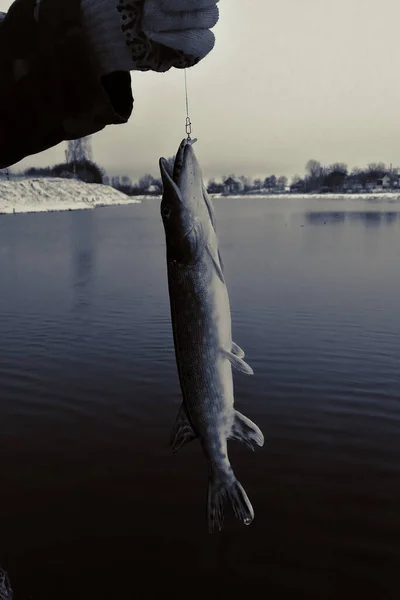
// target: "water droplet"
[[247, 521]]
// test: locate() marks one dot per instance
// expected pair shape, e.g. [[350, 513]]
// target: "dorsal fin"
[[182, 432]]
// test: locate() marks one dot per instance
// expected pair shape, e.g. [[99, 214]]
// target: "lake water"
[[94, 504]]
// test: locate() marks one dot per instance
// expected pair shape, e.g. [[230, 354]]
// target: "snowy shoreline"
[[57, 194], [389, 196]]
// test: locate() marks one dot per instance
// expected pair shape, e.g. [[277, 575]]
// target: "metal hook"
[[188, 127]]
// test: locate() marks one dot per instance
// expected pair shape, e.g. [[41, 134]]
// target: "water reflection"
[[83, 257], [366, 217]]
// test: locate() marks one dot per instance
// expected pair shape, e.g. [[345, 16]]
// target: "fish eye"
[[166, 211]]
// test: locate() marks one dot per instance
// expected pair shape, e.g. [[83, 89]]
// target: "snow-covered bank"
[[369, 196], [55, 194]]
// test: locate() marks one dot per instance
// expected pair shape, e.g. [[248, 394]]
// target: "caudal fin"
[[218, 491]]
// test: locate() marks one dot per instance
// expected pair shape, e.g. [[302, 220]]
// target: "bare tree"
[[245, 180], [377, 166], [339, 167], [314, 169], [115, 181], [335, 176], [282, 182], [376, 171], [79, 150], [296, 179], [270, 182], [315, 175], [145, 181]]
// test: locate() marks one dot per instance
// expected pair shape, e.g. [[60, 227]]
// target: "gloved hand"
[[128, 35], [64, 64], [181, 24]]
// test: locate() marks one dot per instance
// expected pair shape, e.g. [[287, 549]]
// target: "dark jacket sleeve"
[[49, 90]]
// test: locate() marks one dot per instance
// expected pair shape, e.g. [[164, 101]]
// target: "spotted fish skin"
[[201, 324]]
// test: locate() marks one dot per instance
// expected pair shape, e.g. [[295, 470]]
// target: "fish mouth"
[[184, 151], [180, 186], [179, 161], [182, 198]]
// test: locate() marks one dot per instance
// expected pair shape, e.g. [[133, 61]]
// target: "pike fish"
[[201, 324]]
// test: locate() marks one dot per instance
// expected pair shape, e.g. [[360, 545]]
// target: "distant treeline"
[[337, 178], [89, 172], [318, 178], [85, 170]]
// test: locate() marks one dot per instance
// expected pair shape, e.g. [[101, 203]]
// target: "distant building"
[[389, 181], [297, 187], [386, 181], [232, 185]]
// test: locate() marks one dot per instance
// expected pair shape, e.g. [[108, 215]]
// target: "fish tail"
[[220, 489]]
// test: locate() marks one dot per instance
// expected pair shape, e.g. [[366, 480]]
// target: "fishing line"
[[188, 121]]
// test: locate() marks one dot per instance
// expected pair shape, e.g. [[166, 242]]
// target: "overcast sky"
[[286, 81]]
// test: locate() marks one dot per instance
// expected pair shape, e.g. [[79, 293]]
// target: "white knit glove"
[[128, 35]]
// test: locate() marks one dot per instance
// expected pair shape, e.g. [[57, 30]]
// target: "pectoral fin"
[[216, 263], [237, 351], [238, 363], [246, 431], [182, 432]]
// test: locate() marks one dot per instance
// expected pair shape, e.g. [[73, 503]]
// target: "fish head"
[[183, 208]]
